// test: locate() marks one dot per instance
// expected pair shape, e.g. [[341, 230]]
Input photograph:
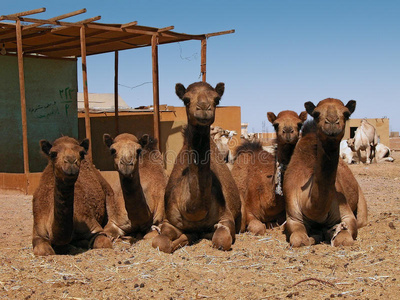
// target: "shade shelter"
[[27, 37]]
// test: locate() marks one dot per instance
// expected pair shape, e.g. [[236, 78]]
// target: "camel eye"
[[113, 151], [138, 151], [276, 126], [53, 154]]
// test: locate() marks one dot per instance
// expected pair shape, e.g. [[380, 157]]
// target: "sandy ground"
[[256, 268]]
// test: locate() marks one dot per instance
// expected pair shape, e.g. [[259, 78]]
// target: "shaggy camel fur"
[[319, 200], [258, 173], [365, 139], [70, 202], [201, 198], [222, 137], [143, 182]]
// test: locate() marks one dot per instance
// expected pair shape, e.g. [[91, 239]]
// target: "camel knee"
[[222, 238], [300, 239], [163, 243], [102, 241], [257, 228], [344, 238], [43, 249]]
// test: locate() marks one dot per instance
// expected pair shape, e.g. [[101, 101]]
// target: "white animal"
[[345, 152], [222, 137], [383, 153], [365, 139]]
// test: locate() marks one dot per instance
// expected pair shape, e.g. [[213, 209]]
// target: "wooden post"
[[85, 90], [23, 101], [156, 97], [203, 67], [116, 105]]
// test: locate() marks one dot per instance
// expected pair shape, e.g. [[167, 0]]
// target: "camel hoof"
[[222, 239], [163, 243], [43, 250], [102, 241], [297, 240], [343, 238], [257, 228]]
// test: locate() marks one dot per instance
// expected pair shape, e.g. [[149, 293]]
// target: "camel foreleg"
[[297, 233], [171, 238]]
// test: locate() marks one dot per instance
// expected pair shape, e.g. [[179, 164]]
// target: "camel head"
[[350, 143], [330, 116], [125, 150], [200, 100], [65, 154], [287, 125]]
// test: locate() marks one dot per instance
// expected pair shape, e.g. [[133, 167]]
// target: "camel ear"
[[351, 106], [108, 140], [180, 90], [303, 116], [220, 88], [45, 146], [271, 117], [309, 107], [144, 140], [85, 144]]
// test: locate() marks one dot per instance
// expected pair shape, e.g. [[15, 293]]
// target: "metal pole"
[[85, 90], [156, 97], [116, 105]]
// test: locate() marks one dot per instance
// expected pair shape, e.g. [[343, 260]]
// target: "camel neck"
[[131, 184], [199, 180], [284, 153], [325, 170], [63, 222]]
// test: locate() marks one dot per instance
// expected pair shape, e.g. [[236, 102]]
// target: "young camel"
[[70, 202], [259, 174], [320, 201], [143, 181], [201, 198]]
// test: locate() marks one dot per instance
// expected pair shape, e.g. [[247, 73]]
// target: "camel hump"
[[248, 147]]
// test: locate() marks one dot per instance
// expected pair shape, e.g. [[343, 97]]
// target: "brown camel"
[[201, 198], [319, 201], [258, 174], [143, 180], [70, 202]]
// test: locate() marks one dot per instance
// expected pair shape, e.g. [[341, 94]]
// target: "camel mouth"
[[126, 170], [204, 121]]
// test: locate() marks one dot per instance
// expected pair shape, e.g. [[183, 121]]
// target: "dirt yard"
[[256, 267]]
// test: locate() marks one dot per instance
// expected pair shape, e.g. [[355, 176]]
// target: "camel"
[[365, 139], [222, 137], [320, 191], [258, 173], [70, 203], [383, 153], [345, 152], [142, 182], [201, 198]]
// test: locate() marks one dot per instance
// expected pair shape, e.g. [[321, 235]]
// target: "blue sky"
[[282, 54]]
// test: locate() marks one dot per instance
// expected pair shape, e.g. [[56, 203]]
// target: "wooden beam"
[[85, 90], [203, 67], [61, 17], [116, 104], [134, 23], [156, 96], [86, 21], [219, 33], [23, 101], [165, 29], [24, 13]]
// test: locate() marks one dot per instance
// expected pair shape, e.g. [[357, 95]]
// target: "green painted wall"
[[51, 108]]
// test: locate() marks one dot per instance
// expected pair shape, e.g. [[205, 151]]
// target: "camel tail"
[[362, 211]]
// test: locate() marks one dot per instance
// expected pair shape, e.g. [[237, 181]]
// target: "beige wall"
[[381, 125]]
